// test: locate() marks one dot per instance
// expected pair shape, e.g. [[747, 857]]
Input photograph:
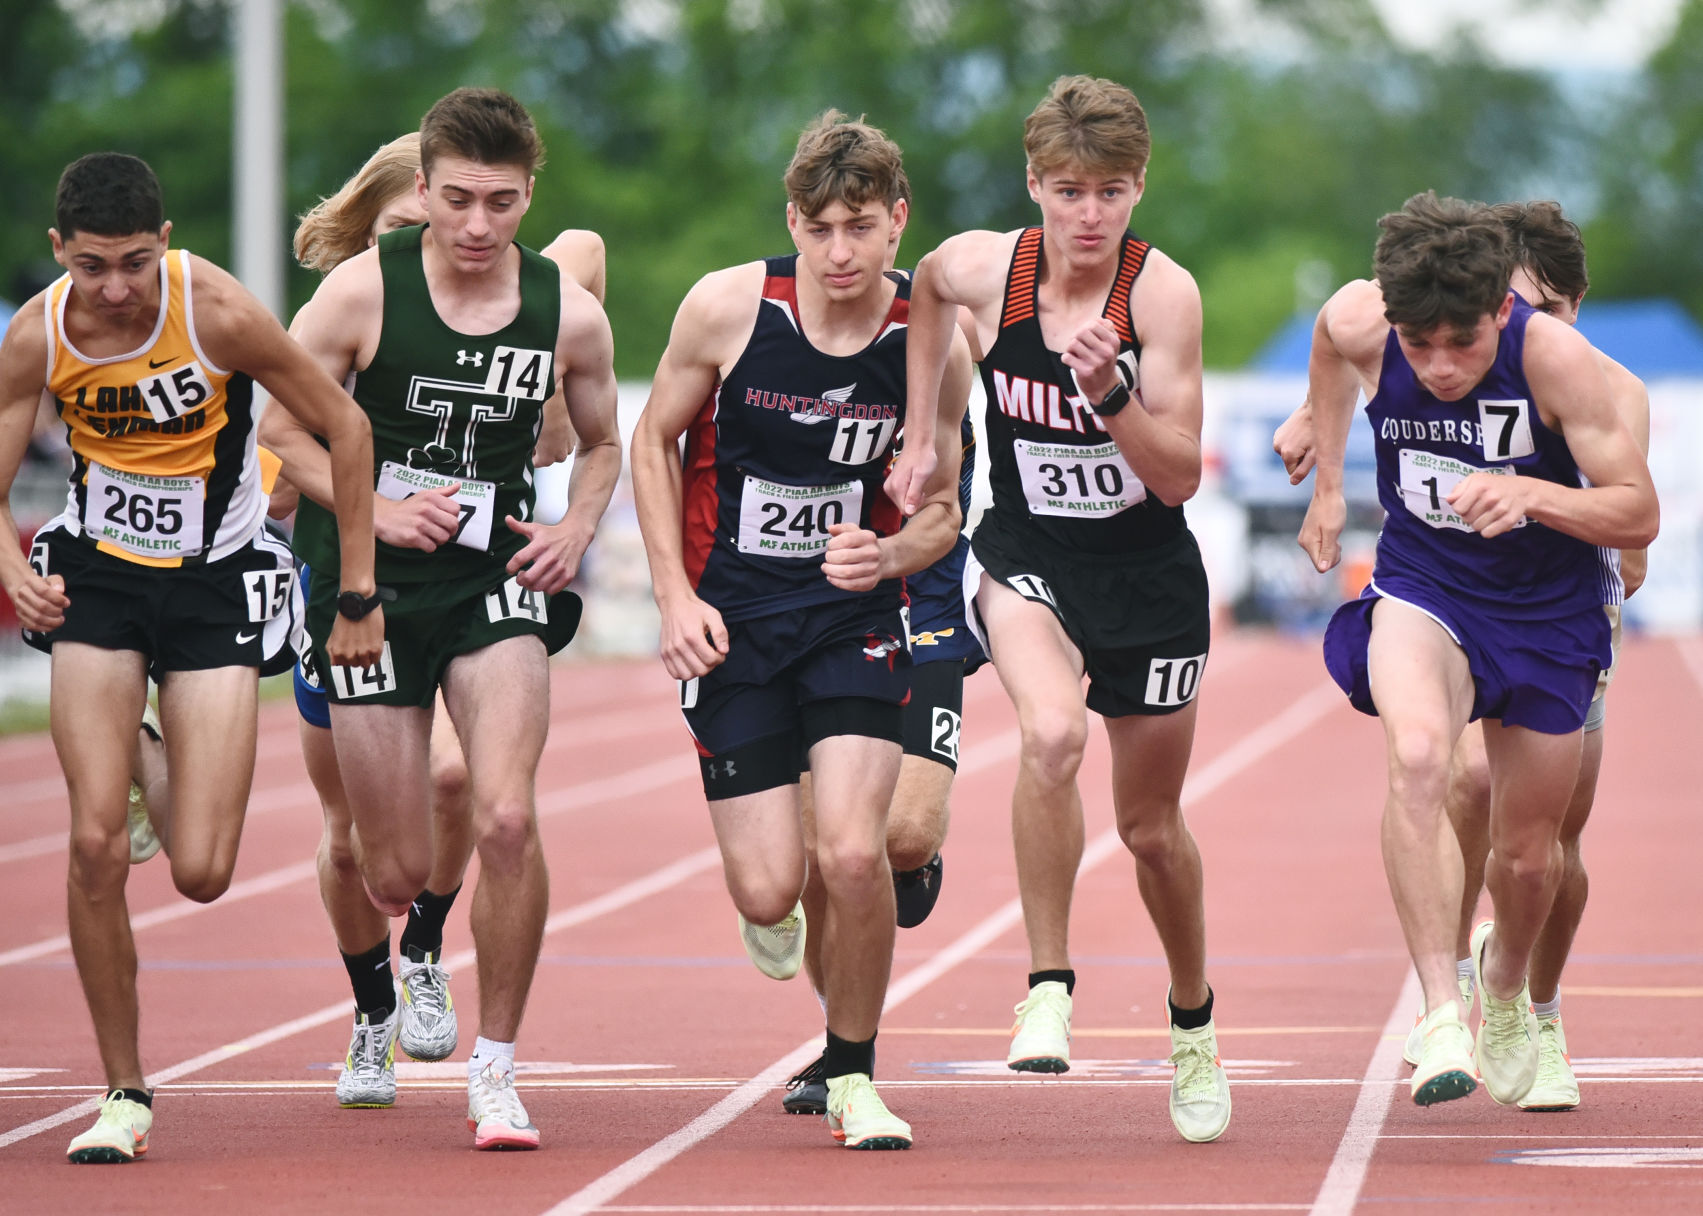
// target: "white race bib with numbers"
[[1506, 429], [1174, 681], [792, 521], [1428, 479], [477, 499], [511, 602], [147, 516], [172, 394], [268, 593], [1076, 482], [518, 372], [861, 440], [353, 683]]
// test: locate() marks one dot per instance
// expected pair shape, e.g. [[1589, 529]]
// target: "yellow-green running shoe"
[[1556, 1088], [858, 1117], [777, 949]]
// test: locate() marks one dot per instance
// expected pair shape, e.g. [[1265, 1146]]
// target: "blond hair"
[[1087, 123], [340, 226], [845, 160]]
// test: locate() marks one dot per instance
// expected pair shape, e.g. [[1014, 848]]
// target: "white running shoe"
[[1556, 1088], [1200, 1092], [368, 1078], [1416, 1037], [1445, 1068], [1506, 1049], [120, 1134], [778, 949], [494, 1113], [1040, 1038], [429, 1029], [858, 1117], [144, 841]]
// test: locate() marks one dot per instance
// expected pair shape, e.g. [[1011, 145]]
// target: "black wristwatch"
[[1113, 401], [356, 606]]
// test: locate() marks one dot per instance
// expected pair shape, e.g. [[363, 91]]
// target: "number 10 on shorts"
[[1174, 681]]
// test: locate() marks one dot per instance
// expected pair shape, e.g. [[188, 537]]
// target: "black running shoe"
[[915, 892], [807, 1093]]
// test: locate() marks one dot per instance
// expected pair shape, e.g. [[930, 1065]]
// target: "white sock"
[[484, 1051], [1547, 1011], [1463, 972]]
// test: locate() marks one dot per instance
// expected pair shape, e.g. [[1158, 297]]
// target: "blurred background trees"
[[1279, 136]]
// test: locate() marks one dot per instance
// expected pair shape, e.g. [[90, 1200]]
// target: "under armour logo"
[[477, 358], [726, 767]]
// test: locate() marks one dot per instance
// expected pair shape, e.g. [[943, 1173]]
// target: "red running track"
[[652, 1051]]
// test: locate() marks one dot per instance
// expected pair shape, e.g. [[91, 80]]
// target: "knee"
[[1151, 831], [1419, 765], [451, 785], [337, 856], [202, 880], [914, 839], [508, 829], [99, 861], [763, 898], [1529, 861], [850, 865], [1053, 741]]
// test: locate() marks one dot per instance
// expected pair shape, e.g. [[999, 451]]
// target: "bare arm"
[[237, 331], [1293, 443], [40, 602], [1632, 402], [1159, 432], [1347, 352], [579, 252], [585, 350], [968, 271], [708, 324], [1618, 509]]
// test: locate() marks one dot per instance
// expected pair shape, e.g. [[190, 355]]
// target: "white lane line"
[[1347, 1174], [1034, 1209], [587, 793], [634, 892], [1249, 749]]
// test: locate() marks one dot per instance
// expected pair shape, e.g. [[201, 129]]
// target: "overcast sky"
[[1539, 33]]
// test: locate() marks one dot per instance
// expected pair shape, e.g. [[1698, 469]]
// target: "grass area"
[[22, 716]]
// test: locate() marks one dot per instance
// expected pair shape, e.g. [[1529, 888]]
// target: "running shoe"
[[858, 1117], [807, 1092], [428, 1029], [777, 949], [494, 1113], [1040, 1038], [368, 1078], [1507, 1050], [915, 892], [144, 841], [1556, 1088], [1200, 1092], [1416, 1037], [120, 1134], [1445, 1069]]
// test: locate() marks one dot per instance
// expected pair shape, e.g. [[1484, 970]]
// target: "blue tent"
[[6, 311], [1652, 338]]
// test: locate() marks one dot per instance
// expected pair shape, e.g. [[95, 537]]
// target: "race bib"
[[1174, 681], [792, 521], [1076, 482], [352, 683], [511, 601], [147, 516], [1428, 479], [267, 593], [171, 394], [1506, 429], [518, 372], [477, 499]]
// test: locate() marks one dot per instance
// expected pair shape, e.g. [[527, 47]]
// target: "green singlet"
[[449, 407]]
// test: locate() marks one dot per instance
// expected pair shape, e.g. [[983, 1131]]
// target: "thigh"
[[1418, 673], [1038, 664], [498, 698], [208, 721], [933, 716], [381, 757], [852, 778], [95, 703], [1532, 775], [1150, 760], [760, 836]]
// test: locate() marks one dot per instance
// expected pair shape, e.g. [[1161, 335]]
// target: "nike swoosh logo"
[[244, 639], [162, 362]]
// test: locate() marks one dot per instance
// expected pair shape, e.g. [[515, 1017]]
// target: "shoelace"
[[494, 1097], [1195, 1065], [1048, 1006], [869, 1103], [814, 1073], [428, 989], [1505, 1026], [1552, 1061], [368, 1048]]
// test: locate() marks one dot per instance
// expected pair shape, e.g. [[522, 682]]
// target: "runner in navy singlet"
[[777, 563], [1485, 601], [1089, 342]]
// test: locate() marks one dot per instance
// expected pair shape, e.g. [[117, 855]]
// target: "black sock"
[[842, 1057], [1067, 977], [369, 976], [1191, 1019], [426, 915], [144, 1096]]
